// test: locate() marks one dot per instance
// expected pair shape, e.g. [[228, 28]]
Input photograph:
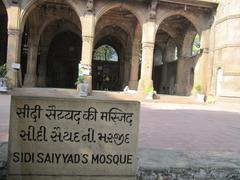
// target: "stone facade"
[[153, 41]]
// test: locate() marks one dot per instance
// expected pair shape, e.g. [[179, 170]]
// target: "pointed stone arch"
[[46, 12], [63, 59], [137, 12], [124, 18], [115, 37], [49, 21], [6, 4], [197, 22], [29, 5], [184, 25], [47, 36]]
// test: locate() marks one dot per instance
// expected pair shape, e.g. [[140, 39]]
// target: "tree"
[[196, 45], [106, 53]]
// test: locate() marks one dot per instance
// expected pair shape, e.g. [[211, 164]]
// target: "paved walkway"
[[4, 117], [174, 126], [182, 134], [190, 127]]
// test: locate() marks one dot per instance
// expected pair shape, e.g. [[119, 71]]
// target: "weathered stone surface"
[[161, 170], [3, 160], [190, 174], [188, 165], [72, 138]]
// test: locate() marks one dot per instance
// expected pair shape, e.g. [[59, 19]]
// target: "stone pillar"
[[133, 83], [202, 73], [127, 71], [148, 42], [31, 75], [181, 77], [87, 50], [13, 49], [12, 56], [88, 30], [41, 82]]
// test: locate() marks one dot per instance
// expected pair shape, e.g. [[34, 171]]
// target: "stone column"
[[88, 30], [127, 71], [148, 42], [181, 77], [87, 49], [133, 83], [31, 75], [13, 49], [12, 56], [202, 73]]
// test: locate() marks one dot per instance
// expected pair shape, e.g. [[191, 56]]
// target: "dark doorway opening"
[[24, 52], [63, 58], [106, 69]]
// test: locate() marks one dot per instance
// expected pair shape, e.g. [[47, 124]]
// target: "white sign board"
[[16, 66]]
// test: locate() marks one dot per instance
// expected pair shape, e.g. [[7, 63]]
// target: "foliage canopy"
[[196, 45], [106, 53]]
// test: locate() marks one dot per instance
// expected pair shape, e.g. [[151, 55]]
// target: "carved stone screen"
[[72, 138]]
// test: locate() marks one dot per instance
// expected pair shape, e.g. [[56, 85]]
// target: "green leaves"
[[149, 90], [106, 53], [198, 88], [80, 80], [3, 71], [196, 45]]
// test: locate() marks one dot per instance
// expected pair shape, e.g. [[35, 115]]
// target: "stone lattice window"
[[106, 53]]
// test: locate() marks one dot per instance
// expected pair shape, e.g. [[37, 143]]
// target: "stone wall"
[[227, 48]]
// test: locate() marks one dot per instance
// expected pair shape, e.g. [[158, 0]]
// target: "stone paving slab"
[[3, 159], [181, 140], [201, 173], [155, 164], [158, 159]]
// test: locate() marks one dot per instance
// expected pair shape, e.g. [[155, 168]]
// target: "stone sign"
[[72, 138]]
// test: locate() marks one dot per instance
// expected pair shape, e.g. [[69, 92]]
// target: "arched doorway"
[[3, 33], [106, 68], [43, 39], [175, 38], [166, 54], [63, 58], [47, 47], [120, 29], [157, 69]]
